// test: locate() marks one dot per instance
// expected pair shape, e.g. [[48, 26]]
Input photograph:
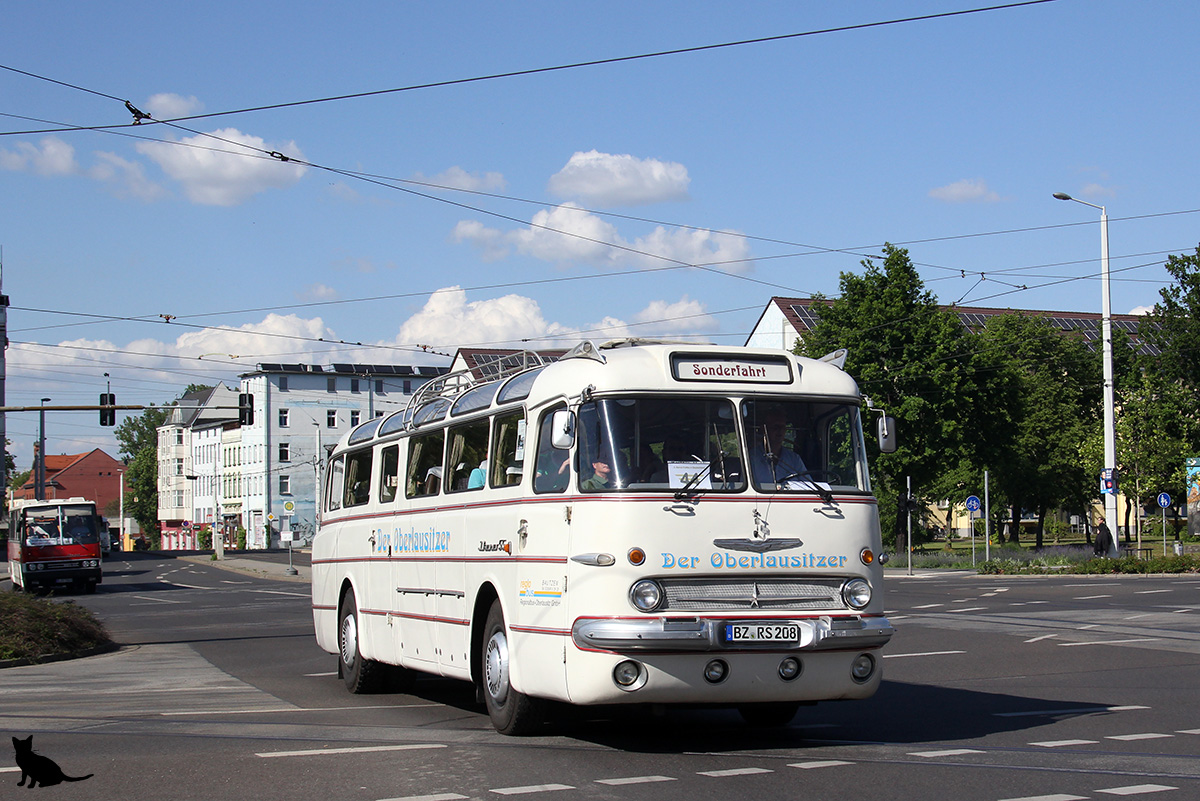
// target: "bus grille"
[[749, 593]]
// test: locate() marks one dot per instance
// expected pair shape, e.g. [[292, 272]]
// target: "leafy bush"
[[32, 627]]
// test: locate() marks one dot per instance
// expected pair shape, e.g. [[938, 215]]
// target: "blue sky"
[[773, 166]]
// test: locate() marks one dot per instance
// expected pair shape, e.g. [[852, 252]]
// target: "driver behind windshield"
[[771, 461]]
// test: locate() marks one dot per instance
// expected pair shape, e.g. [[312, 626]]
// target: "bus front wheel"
[[512, 712], [360, 675]]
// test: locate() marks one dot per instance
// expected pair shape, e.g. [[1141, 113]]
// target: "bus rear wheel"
[[512, 712], [360, 675]]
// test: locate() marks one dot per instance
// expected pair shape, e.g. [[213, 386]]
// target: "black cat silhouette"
[[37, 768]]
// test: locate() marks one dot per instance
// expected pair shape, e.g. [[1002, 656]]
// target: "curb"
[[48, 658]]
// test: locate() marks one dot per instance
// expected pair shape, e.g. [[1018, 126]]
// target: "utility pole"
[[3, 367]]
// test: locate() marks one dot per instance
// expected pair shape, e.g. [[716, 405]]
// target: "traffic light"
[[108, 417], [246, 408]]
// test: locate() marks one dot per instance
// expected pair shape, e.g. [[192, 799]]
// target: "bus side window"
[[336, 483], [553, 468], [389, 473], [358, 478], [509, 462], [424, 475], [468, 457]]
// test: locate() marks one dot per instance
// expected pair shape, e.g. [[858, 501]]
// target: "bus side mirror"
[[562, 429], [887, 433]]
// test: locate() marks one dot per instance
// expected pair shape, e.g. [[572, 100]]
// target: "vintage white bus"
[[636, 522]]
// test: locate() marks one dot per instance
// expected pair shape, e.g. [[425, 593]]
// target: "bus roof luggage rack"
[[451, 386]]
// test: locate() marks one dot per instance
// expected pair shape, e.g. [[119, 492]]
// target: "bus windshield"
[[649, 443], [794, 445], [61, 525]]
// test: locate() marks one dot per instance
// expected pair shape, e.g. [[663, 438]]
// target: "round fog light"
[[862, 668], [716, 671], [627, 673], [789, 668]]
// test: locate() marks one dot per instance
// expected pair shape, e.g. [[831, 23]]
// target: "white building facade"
[[299, 411]]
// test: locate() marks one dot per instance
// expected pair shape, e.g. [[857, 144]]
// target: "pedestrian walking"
[[1103, 538]]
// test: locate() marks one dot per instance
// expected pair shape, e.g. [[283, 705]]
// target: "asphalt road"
[[1049, 688]]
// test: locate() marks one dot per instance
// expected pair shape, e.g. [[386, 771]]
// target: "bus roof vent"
[[837, 358], [585, 350]]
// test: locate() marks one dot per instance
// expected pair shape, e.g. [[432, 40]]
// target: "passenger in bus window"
[[478, 475], [433, 479], [604, 472]]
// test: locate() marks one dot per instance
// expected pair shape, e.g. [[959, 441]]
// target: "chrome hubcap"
[[349, 640], [495, 667]]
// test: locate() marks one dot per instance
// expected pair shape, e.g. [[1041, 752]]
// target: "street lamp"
[[39, 489], [1110, 427]]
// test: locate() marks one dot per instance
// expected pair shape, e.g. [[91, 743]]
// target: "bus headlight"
[[856, 593], [645, 595]]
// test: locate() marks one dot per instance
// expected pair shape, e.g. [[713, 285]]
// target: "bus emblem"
[[759, 546]]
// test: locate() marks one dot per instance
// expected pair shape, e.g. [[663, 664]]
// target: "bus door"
[[415, 548]]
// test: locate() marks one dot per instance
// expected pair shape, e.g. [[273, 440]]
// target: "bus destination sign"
[[752, 371]]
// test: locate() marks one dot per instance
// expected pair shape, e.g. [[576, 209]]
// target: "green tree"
[[138, 438], [911, 358], [1049, 406], [1174, 326]]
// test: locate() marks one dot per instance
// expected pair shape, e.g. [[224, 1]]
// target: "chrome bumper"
[[693, 634]]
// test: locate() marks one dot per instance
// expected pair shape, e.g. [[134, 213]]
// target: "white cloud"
[[127, 178], [1142, 310], [218, 173], [965, 191], [515, 321], [52, 156], [569, 234], [458, 178], [166, 106], [1097, 191], [317, 292], [605, 179]]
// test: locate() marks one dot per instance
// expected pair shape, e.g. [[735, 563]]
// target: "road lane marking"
[[1064, 743], [356, 750], [1091, 597], [635, 780], [926, 653], [733, 772], [1110, 642], [824, 763], [968, 609], [531, 788], [158, 600], [1150, 592], [1137, 789], [1083, 710], [434, 797], [1053, 797], [1149, 735], [292, 709], [1189, 731], [949, 752], [1043, 637], [928, 606]]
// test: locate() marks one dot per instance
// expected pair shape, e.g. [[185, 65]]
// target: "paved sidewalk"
[[266, 568]]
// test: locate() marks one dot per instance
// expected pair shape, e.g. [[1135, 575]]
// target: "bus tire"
[[769, 715], [512, 712], [360, 675]]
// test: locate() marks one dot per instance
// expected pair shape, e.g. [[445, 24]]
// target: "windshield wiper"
[[826, 495], [683, 492]]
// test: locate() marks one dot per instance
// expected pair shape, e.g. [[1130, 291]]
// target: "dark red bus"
[[54, 544]]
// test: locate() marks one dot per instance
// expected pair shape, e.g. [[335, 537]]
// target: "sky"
[[469, 195]]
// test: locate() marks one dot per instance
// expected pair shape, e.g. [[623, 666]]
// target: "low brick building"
[[94, 475]]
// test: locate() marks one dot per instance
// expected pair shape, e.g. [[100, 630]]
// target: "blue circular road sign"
[[1164, 500], [973, 503]]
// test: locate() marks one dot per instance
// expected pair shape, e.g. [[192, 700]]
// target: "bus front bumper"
[[696, 634]]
